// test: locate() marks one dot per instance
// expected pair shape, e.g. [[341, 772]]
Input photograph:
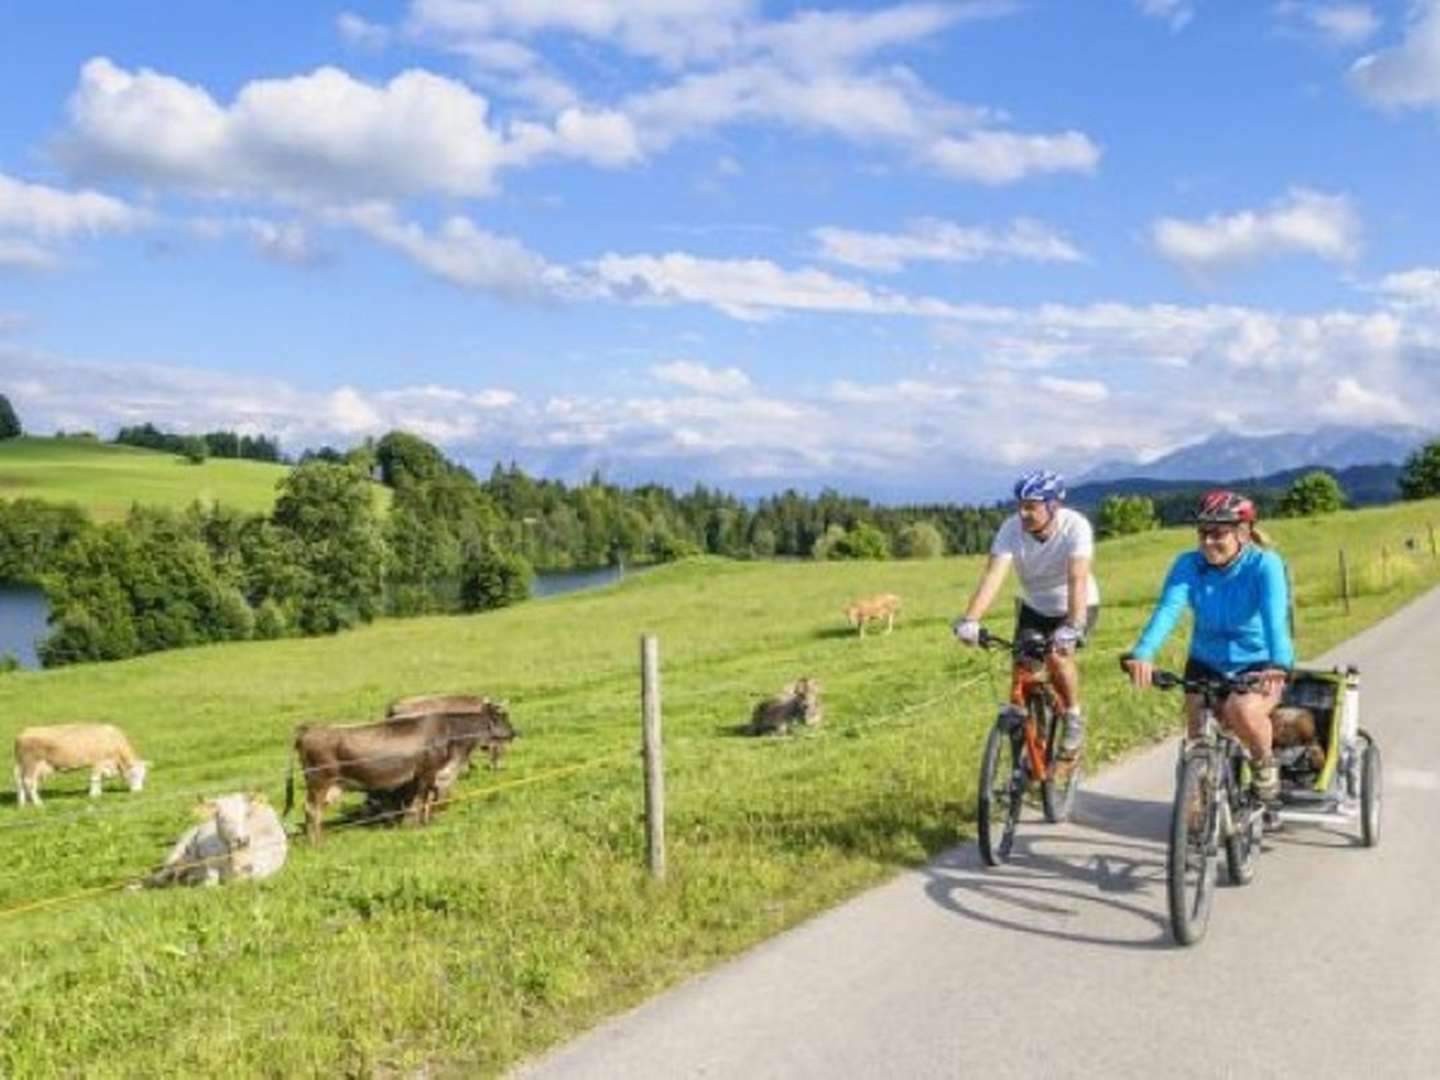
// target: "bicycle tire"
[[1190, 861], [1057, 790], [1243, 845], [1002, 790], [1371, 789]]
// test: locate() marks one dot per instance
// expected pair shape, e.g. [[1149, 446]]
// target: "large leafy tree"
[[1121, 515], [329, 510], [1314, 493], [1420, 478]]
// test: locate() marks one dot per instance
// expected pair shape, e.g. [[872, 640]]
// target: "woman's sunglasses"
[[1215, 532]]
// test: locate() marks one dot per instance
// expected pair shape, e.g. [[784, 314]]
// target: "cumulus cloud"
[[1002, 157], [27, 256], [749, 289], [1407, 74], [1339, 24], [42, 211], [1351, 403], [361, 32], [1303, 222], [324, 135], [702, 379], [1419, 287], [459, 252], [1176, 14], [933, 240]]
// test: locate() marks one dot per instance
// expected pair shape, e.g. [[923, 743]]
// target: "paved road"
[[1061, 964]]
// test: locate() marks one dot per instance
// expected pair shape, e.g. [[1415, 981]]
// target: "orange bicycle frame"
[[1023, 683]]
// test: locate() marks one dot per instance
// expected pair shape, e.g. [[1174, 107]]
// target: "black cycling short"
[[1030, 619], [1198, 669]]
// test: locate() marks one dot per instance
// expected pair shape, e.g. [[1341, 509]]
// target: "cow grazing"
[[420, 754], [102, 748], [873, 608], [796, 704], [239, 837]]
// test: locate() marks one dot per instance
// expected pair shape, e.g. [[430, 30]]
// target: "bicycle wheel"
[[1371, 787], [1190, 861], [1002, 790], [1057, 790]]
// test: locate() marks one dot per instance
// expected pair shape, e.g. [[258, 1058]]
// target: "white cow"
[[102, 748], [240, 837]]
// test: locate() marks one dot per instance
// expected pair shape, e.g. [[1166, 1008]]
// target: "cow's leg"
[[96, 776], [313, 809]]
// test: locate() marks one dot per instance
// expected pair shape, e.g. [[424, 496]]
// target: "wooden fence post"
[[654, 754], [1344, 583]]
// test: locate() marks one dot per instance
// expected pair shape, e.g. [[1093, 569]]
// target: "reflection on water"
[[23, 614], [563, 581]]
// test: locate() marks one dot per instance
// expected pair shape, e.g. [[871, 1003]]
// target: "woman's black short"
[[1030, 619]]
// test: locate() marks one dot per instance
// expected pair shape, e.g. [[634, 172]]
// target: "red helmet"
[[1224, 508]]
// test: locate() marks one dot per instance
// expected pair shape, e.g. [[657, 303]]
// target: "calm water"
[[563, 581], [23, 610]]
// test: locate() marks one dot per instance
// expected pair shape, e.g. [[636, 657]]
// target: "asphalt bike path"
[[1061, 963]]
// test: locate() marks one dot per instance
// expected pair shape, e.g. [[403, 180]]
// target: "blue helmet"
[[1040, 485]]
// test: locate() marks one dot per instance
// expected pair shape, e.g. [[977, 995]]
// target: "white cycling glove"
[[967, 630], [1067, 638]]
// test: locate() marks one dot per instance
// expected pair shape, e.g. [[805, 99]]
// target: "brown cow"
[[880, 606], [451, 703], [422, 753], [797, 703]]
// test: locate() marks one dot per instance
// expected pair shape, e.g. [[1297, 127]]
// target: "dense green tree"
[[494, 578], [193, 449], [1420, 478], [864, 541], [405, 458], [32, 534], [329, 510], [919, 540], [9, 423], [1314, 493], [1122, 515]]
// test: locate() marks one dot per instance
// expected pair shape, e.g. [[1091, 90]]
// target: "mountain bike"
[[1215, 807], [1022, 750]]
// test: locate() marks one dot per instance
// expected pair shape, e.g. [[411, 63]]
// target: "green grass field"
[[524, 914], [106, 479]]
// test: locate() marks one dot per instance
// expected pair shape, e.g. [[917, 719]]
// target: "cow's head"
[[498, 730], [232, 813], [135, 775]]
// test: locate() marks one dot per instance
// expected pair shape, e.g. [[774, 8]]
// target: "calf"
[[798, 703], [102, 748], [419, 753], [881, 606], [240, 837]]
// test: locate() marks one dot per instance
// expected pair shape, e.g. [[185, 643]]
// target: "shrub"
[[1312, 494], [920, 540], [1122, 515], [493, 578]]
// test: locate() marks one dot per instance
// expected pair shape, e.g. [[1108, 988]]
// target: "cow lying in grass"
[[872, 609], [796, 704], [239, 837], [101, 748]]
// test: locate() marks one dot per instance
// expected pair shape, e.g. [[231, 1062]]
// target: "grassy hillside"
[[523, 913], [106, 479]]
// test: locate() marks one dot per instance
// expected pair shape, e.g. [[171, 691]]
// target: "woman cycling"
[[1238, 590]]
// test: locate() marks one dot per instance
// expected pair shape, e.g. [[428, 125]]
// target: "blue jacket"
[[1241, 611]]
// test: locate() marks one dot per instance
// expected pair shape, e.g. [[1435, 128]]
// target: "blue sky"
[[899, 248]]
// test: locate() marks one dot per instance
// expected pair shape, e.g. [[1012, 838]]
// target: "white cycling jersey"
[[1042, 565]]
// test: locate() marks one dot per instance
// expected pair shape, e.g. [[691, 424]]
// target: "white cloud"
[[1419, 286], [1344, 24], [1174, 13], [324, 135], [930, 239], [1303, 222], [1088, 391], [23, 255], [1407, 74], [459, 252], [1351, 403], [702, 379], [749, 289], [49, 212], [286, 242], [1002, 157], [361, 32]]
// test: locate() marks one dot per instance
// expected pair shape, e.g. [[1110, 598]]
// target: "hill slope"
[[524, 913], [106, 479]]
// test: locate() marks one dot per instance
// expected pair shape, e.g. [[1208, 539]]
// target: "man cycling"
[[1240, 596], [1052, 547]]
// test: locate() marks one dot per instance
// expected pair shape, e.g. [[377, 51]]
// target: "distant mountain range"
[[1231, 457], [1363, 485]]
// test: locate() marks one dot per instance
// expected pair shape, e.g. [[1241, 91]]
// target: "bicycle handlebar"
[[1249, 682]]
